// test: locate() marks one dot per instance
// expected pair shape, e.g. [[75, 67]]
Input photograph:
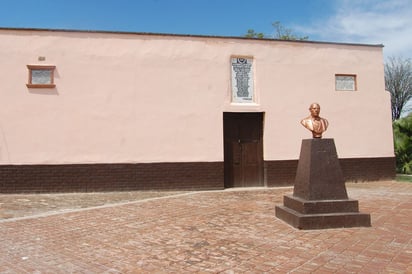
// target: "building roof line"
[[189, 35]]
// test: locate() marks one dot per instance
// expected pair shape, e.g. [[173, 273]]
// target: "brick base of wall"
[[280, 173], [354, 169], [165, 176], [111, 177], [368, 169]]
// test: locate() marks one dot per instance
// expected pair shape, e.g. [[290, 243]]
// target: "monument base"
[[319, 197], [321, 214]]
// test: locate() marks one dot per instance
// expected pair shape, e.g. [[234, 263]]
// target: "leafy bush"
[[402, 130]]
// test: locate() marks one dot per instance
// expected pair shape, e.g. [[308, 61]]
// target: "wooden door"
[[243, 149]]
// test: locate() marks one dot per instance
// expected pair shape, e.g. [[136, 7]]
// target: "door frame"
[[231, 121]]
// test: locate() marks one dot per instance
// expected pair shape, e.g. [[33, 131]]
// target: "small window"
[[345, 82], [41, 76]]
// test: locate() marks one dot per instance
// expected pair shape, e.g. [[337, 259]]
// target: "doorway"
[[243, 149]]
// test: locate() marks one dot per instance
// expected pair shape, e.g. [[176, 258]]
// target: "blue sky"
[[387, 22]]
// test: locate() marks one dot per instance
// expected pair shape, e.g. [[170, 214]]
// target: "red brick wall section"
[[165, 176], [111, 177], [280, 173], [368, 169], [354, 169]]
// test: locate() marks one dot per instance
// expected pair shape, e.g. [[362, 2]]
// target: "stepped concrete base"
[[321, 214], [319, 197]]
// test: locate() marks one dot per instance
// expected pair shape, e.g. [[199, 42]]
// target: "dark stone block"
[[319, 175], [320, 199], [320, 206], [322, 221]]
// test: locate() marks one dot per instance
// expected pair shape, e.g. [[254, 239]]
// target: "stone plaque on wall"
[[345, 82], [40, 76], [242, 80]]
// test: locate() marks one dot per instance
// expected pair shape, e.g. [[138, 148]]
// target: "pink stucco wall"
[[158, 98]]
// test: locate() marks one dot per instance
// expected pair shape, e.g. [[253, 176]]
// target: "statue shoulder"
[[305, 120], [325, 121]]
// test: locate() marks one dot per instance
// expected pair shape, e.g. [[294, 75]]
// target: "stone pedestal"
[[319, 197]]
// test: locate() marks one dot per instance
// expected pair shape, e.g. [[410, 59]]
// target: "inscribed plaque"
[[242, 80], [345, 82]]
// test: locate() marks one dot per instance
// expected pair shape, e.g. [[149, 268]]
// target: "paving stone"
[[230, 231]]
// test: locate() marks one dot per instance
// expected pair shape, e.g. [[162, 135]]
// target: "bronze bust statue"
[[316, 124]]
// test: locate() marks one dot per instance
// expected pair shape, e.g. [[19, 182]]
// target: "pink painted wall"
[[158, 98]]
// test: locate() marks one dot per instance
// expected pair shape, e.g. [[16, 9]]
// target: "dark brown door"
[[243, 149]]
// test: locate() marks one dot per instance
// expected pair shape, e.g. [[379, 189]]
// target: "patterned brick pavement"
[[231, 231]]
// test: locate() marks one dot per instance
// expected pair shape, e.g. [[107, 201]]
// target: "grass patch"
[[403, 178]]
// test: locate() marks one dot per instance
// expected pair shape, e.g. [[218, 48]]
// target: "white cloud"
[[387, 22]]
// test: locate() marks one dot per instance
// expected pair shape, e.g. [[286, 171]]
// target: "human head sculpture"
[[316, 124]]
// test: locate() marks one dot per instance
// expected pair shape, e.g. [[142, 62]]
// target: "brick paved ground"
[[231, 231], [21, 205]]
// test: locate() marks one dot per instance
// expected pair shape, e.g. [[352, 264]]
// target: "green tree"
[[398, 81], [283, 33], [252, 34], [402, 131], [280, 33]]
